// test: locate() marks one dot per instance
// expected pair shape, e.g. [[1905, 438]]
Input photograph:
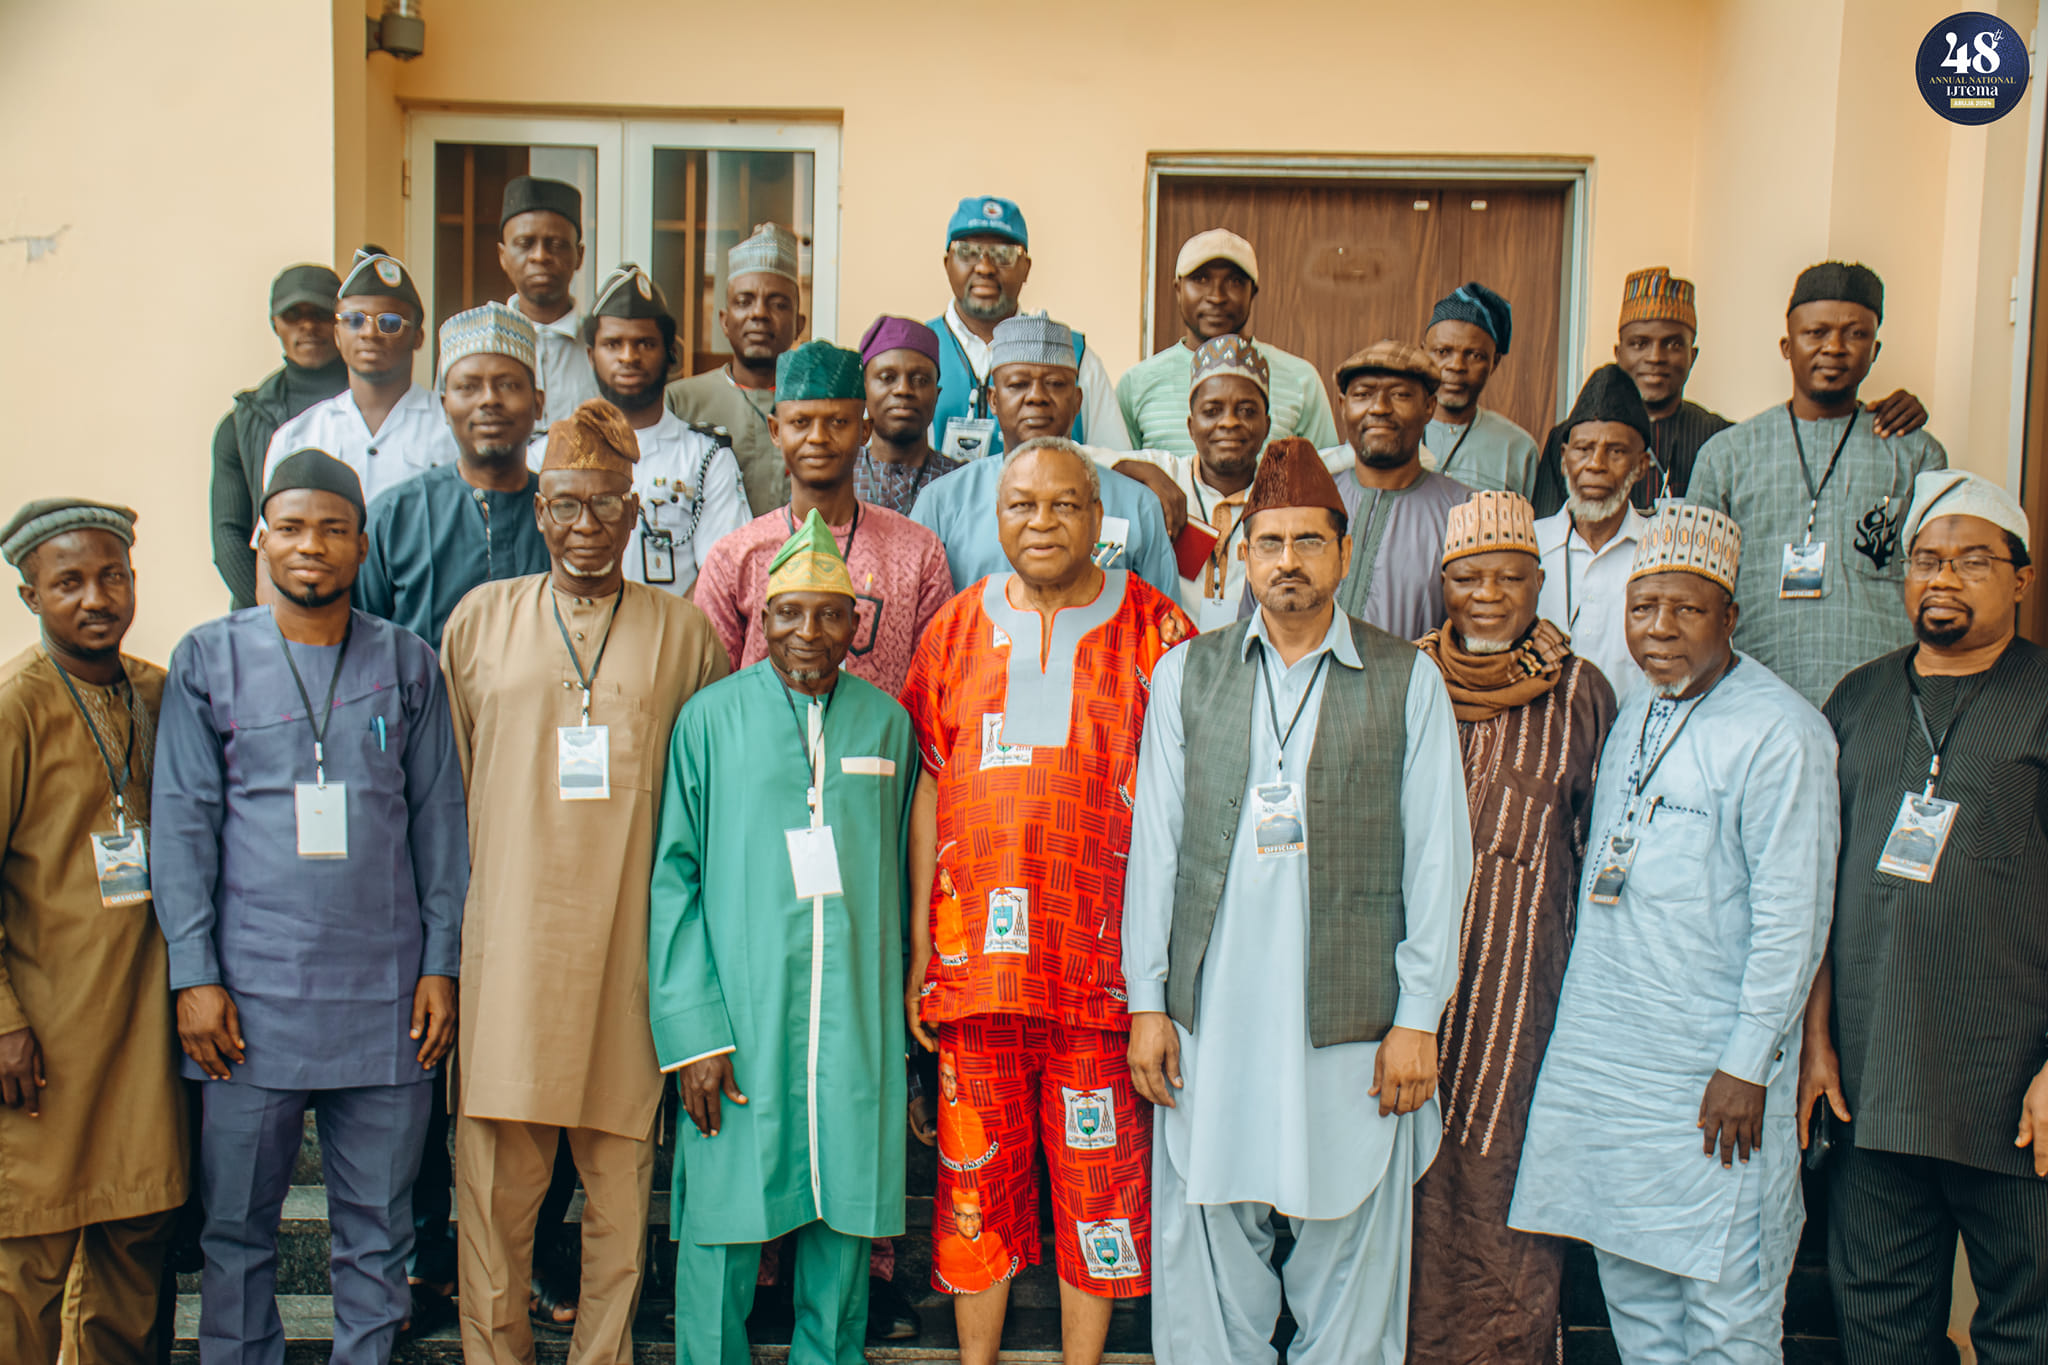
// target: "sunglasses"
[[1003, 255], [390, 324]]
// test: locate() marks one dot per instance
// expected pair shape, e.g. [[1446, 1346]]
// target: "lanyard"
[[1273, 709], [1217, 556], [603, 643], [1571, 613], [789, 519], [1444, 465], [1948, 731], [741, 390], [326, 712], [1806, 472], [1643, 780], [811, 740], [978, 394], [119, 781]]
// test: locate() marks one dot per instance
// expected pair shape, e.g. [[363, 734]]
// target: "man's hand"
[[701, 1084], [913, 986], [1154, 1057], [210, 1029], [1896, 414], [1732, 1114], [1820, 1073], [1172, 501], [21, 1072], [433, 1018], [1404, 1073], [2033, 1121]]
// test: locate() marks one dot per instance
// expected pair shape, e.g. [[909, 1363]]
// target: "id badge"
[[1277, 827], [583, 762], [657, 555], [1918, 836], [968, 438], [813, 862], [995, 753], [122, 864], [1617, 856], [323, 819], [1805, 568], [1217, 612], [1116, 535]]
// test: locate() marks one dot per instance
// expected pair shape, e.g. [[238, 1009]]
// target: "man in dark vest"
[[1288, 954], [302, 302]]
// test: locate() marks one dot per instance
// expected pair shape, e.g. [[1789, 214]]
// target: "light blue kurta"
[[1289, 1124], [1703, 965], [1488, 452]]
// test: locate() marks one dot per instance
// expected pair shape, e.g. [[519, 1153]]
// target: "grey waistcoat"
[[1353, 820]]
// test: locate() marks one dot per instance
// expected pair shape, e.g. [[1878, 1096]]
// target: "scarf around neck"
[[1484, 685]]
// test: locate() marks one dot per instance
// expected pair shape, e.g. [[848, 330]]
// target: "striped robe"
[[1482, 1292]]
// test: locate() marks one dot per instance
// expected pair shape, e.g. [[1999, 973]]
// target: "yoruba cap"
[[1291, 474], [297, 284], [1839, 281], [1609, 395], [531, 194], [319, 471], [985, 215], [1655, 295], [772, 250], [630, 292], [1216, 244], [595, 436], [491, 329], [1473, 302], [1390, 356], [1032, 339], [818, 369], [809, 561], [887, 333], [1952, 493], [1230, 354], [1490, 520], [1688, 538], [47, 518], [375, 274]]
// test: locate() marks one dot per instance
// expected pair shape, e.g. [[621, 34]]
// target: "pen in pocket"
[[377, 724]]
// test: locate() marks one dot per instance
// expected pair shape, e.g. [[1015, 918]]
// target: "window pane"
[[705, 203], [469, 194]]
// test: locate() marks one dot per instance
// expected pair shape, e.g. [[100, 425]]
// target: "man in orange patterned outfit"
[[1028, 694]]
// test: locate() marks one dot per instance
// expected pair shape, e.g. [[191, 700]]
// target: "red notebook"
[[1192, 548]]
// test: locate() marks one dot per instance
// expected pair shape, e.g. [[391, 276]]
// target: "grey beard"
[[1596, 512], [1474, 645], [1671, 691], [809, 675], [575, 572], [1005, 304]]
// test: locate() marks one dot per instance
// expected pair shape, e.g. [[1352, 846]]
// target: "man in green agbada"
[[775, 970]]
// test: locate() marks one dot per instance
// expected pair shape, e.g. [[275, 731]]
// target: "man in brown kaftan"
[[1531, 719]]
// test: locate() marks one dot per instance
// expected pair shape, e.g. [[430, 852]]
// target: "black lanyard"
[[1273, 708], [789, 519], [812, 765], [1643, 779], [1443, 466], [1948, 732], [603, 643], [1805, 472], [119, 781], [977, 395], [319, 727]]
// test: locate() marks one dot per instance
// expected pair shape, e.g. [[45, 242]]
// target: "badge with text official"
[[1803, 571], [1919, 833], [121, 861], [1277, 827], [1617, 856], [1972, 68], [657, 555]]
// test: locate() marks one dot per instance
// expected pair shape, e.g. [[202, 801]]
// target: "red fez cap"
[[1292, 474]]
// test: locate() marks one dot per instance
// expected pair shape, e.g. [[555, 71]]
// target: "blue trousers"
[[370, 1142]]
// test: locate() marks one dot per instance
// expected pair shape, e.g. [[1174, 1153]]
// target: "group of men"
[[1258, 825]]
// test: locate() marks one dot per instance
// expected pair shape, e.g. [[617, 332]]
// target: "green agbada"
[[808, 996]]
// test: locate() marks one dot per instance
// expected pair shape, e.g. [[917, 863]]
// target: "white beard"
[[593, 573], [1597, 512], [1673, 690]]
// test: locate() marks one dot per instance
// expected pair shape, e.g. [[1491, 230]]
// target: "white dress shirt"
[[565, 379], [414, 438], [1585, 594]]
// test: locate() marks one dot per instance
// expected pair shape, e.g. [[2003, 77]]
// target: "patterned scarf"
[[1484, 685]]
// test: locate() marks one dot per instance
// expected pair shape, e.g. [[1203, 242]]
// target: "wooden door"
[[1343, 263]]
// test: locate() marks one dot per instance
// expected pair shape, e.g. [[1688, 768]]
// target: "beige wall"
[[1734, 140], [184, 176]]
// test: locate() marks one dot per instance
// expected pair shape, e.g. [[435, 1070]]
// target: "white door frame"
[[1573, 173]]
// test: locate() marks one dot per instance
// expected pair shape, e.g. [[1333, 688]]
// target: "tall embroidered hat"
[[1490, 520], [489, 329], [1230, 354], [1685, 538], [818, 369], [1032, 339], [809, 561], [1656, 295], [772, 250], [1291, 474]]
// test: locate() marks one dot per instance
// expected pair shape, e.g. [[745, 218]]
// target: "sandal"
[[431, 1311], [556, 1289]]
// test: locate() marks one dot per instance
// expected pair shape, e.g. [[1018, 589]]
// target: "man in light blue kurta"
[[1681, 1007], [1266, 1079]]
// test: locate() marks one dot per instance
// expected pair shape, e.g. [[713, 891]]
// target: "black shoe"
[[891, 1315]]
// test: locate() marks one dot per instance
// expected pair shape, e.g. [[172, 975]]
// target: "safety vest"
[[962, 395]]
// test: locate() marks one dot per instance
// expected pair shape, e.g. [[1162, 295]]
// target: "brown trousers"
[[120, 1268], [501, 1174]]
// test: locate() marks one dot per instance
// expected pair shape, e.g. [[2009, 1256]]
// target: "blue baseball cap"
[[986, 215]]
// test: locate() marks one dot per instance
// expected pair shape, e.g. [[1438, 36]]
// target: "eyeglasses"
[[1272, 547], [606, 507], [1973, 567], [1002, 255], [390, 324]]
